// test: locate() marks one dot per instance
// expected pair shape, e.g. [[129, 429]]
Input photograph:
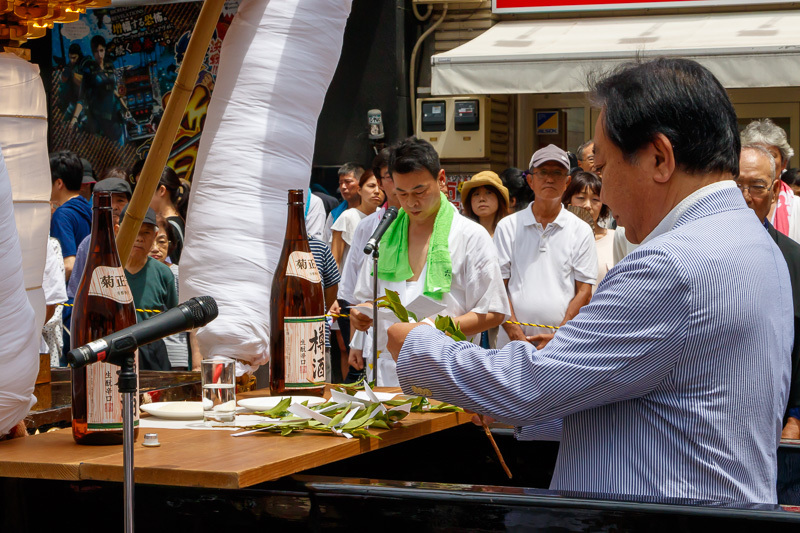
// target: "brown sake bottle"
[[103, 305], [297, 313]]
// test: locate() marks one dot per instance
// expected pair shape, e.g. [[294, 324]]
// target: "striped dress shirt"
[[671, 382]]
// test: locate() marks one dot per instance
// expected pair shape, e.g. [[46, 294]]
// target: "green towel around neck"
[[393, 262]]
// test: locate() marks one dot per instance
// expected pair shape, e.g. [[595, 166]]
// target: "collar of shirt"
[[528, 219], [669, 221]]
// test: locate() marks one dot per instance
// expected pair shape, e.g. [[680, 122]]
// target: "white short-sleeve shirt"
[[352, 264], [315, 216], [347, 224], [542, 266], [605, 254], [476, 284]]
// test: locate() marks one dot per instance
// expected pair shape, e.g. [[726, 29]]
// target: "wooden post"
[[165, 134]]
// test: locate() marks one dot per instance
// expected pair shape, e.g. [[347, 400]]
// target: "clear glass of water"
[[219, 391]]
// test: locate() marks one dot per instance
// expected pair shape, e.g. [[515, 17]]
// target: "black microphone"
[[114, 348], [384, 224]]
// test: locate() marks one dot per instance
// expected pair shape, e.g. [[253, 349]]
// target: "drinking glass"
[[219, 391]]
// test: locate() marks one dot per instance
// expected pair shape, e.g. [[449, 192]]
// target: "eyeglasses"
[[555, 174], [755, 190]]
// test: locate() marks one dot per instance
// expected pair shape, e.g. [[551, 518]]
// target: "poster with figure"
[[113, 71]]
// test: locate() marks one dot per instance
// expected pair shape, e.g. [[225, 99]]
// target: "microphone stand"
[[128, 386], [375, 313]]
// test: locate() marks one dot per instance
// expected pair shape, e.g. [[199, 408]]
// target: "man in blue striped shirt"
[[673, 380]]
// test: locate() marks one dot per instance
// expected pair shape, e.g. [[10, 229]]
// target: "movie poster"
[[113, 71]]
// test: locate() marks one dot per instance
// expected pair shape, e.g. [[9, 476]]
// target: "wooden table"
[[203, 458]]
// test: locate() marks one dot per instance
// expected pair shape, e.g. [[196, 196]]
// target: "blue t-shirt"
[[71, 223]]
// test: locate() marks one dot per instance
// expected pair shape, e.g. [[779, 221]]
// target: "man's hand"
[[792, 429], [397, 336], [540, 340], [356, 359], [359, 320], [335, 309]]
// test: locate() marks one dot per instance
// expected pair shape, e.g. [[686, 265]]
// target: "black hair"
[[518, 188], [353, 168], [178, 192], [414, 154], [381, 160], [581, 180], [67, 167], [75, 48], [133, 173], [96, 41], [678, 98], [791, 177]]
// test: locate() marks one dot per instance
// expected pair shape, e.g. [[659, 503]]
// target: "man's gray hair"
[[764, 131], [354, 168], [763, 152], [582, 148]]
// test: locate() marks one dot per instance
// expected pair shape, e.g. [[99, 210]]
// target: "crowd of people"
[[151, 269], [541, 242], [633, 229]]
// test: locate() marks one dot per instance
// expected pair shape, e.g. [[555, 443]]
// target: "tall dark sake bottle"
[[103, 305], [297, 313]]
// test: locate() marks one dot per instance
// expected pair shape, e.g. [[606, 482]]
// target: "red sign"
[[534, 6]]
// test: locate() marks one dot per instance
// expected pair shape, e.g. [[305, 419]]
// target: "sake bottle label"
[[302, 265], [104, 402], [304, 344], [111, 283]]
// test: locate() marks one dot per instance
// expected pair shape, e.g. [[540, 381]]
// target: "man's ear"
[[441, 178], [659, 153], [776, 188]]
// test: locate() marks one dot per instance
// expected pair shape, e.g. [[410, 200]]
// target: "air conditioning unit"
[[457, 126]]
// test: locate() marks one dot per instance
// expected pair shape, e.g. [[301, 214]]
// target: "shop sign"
[[544, 6], [547, 123]]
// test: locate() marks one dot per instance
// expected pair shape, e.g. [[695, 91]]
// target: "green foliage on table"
[[369, 417], [352, 388]]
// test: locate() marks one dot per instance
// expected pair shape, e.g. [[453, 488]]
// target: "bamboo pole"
[[165, 134]]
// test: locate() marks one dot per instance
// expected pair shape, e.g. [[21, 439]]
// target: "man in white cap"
[[548, 258]]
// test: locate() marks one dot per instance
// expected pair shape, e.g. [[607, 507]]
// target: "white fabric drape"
[[24, 226], [277, 60], [19, 329], [23, 138]]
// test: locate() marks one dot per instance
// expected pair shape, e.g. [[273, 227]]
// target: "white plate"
[[175, 410], [382, 396], [265, 403]]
